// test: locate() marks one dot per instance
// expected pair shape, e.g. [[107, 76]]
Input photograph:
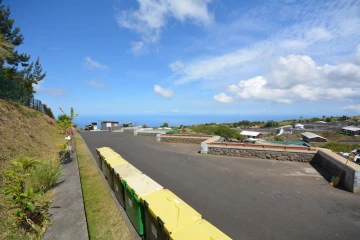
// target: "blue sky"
[[195, 56]]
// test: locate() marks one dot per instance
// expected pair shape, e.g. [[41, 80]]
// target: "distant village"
[[342, 134]]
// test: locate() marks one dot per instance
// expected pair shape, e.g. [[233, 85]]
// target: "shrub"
[[279, 138], [221, 130], [28, 210], [65, 121], [271, 123], [44, 176], [338, 147]]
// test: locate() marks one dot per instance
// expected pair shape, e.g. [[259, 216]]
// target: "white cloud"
[[152, 15], [138, 48], [95, 84], [56, 92], [321, 31], [299, 69], [223, 98], [91, 64], [343, 74], [353, 107], [214, 67], [166, 93], [298, 77], [257, 88], [295, 69], [357, 55], [175, 111], [176, 66], [306, 38]]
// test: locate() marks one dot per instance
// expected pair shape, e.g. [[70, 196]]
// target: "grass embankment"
[[24, 133], [103, 217]]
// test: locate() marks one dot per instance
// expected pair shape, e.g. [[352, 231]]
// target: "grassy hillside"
[[24, 132]]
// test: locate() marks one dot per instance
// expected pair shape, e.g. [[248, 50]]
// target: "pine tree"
[[15, 65], [13, 36]]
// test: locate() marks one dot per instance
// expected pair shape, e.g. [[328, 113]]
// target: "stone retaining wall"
[[128, 130], [335, 164], [147, 134], [263, 154], [192, 140]]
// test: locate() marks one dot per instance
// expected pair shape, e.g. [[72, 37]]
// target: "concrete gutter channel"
[[67, 212]]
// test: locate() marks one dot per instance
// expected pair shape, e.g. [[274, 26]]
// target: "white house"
[[312, 137], [299, 126], [250, 134], [351, 130]]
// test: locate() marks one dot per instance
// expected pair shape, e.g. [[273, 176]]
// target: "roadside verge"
[[103, 218]]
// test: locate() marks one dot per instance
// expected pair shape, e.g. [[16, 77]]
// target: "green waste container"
[[119, 173], [136, 187], [99, 151], [166, 214]]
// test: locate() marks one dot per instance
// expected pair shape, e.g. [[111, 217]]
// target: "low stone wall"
[[295, 156], [333, 163], [115, 128], [147, 134], [192, 140]]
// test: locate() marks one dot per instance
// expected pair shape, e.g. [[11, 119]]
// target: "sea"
[[156, 120]]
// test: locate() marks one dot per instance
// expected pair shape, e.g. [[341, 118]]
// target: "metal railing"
[[13, 91]]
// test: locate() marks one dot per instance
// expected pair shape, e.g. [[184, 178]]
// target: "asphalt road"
[[245, 198]]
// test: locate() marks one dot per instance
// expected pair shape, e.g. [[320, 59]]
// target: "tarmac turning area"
[[245, 198]]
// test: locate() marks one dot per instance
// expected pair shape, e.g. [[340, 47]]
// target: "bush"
[[338, 147], [221, 130], [279, 138], [271, 124], [28, 209], [44, 176]]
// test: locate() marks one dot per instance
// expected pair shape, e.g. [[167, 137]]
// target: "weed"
[[279, 138], [338, 147], [44, 176], [27, 212]]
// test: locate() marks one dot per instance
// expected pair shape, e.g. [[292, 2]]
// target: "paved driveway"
[[245, 198]]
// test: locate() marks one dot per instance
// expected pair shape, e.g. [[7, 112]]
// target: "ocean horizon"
[[177, 119]]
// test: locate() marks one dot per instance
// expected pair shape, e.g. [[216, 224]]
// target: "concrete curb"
[[131, 228], [67, 211]]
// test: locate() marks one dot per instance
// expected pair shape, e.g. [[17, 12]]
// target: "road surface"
[[245, 198]]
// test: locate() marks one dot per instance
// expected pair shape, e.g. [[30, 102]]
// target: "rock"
[[284, 158]]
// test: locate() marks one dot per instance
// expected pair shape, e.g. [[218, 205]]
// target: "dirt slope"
[[23, 132]]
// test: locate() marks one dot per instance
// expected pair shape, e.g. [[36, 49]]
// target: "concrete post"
[[158, 137], [204, 148]]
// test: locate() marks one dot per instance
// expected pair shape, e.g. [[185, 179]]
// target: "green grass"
[[103, 217]]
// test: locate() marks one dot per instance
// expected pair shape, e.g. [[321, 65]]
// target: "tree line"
[[15, 66]]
